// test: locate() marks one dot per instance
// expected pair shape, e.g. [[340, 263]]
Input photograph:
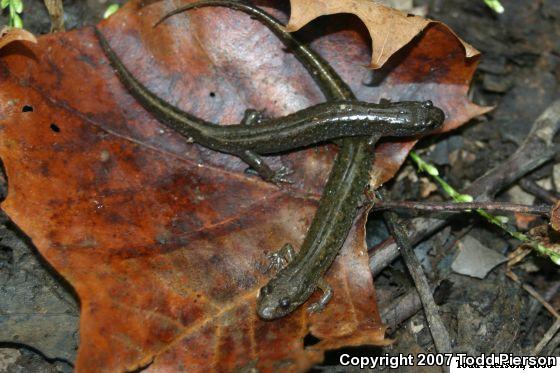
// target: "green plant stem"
[[15, 8], [495, 5], [458, 197]]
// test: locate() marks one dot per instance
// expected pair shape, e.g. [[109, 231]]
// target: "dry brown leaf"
[[390, 29], [11, 34]]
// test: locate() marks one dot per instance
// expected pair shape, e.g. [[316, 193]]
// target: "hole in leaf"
[[26, 109], [3, 186], [310, 340], [212, 94], [55, 128]]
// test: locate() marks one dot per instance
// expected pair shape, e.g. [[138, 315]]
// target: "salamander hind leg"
[[281, 258], [281, 175], [258, 165], [252, 117], [325, 298]]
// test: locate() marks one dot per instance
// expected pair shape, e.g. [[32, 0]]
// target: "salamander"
[[297, 281], [256, 135]]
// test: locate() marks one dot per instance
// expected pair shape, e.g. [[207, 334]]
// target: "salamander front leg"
[[384, 101], [281, 176], [281, 258], [327, 295], [258, 165], [372, 140], [252, 117]]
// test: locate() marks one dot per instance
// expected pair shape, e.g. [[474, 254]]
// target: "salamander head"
[[429, 116], [279, 297], [413, 118]]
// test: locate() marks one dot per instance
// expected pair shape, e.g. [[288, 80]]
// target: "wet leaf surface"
[[165, 241]]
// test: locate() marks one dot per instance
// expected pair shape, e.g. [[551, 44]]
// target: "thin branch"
[[553, 338], [543, 210], [551, 332], [56, 12], [546, 339], [536, 306], [535, 294], [535, 189], [440, 334], [400, 309]]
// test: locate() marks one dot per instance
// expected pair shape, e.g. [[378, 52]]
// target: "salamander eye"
[[428, 103], [284, 302]]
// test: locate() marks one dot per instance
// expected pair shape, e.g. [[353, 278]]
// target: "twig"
[[56, 12], [554, 341], [536, 150], [462, 206], [535, 189], [400, 309], [405, 306], [535, 306], [440, 335], [456, 238], [547, 338], [535, 294], [551, 332]]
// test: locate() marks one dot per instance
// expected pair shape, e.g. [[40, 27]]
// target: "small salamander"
[[294, 284], [256, 135]]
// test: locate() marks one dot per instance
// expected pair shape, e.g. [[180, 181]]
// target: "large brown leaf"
[[164, 241], [388, 28]]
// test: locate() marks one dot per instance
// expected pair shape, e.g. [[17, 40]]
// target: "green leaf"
[[5, 3], [502, 219], [18, 22], [423, 165], [463, 198], [495, 5], [110, 10], [18, 6]]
